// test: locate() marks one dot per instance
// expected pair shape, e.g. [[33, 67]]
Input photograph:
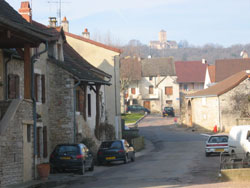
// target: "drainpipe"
[[74, 98], [220, 125], [6, 76], [33, 61]]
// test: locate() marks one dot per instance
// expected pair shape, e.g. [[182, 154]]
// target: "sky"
[[223, 22]]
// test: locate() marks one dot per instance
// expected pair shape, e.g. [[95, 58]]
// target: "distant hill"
[[210, 52]]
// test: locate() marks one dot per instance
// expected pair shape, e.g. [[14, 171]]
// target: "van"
[[239, 140]]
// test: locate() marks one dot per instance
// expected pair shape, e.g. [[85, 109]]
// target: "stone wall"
[[235, 104], [11, 146], [60, 117]]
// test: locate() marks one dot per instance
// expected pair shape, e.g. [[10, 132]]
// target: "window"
[[59, 52], [79, 101], [150, 78], [38, 142], [168, 90], [151, 89], [13, 86], [135, 101], [204, 101], [89, 105], [133, 90], [39, 88], [185, 87]]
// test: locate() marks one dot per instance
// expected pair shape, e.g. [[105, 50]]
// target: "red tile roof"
[[93, 42], [130, 68], [227, 67], [211, 71], [223, 86], [190, 71]]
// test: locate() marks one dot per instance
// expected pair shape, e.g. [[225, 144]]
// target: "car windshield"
[[111, 145], [69, 150], [218, 139]]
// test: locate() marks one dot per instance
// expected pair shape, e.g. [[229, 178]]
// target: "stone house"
[[16, 106], [155, 87], [106, 58], [224, 104], [45, 93]]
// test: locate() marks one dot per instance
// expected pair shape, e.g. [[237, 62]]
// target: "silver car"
[[217, 144]]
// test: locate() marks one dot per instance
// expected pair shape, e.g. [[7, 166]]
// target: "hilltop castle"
[[163, 43]]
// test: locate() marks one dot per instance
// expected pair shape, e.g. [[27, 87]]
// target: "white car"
[[216, 144]]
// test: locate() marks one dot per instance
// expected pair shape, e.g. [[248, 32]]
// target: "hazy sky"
[[224, 22]]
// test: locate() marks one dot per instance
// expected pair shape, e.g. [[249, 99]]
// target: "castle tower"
[[162, 36]]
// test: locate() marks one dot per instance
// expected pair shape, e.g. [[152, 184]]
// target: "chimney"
[[52, 22], [25, 11], [203, 61], [65, 24], [86, 34], [244, 54]]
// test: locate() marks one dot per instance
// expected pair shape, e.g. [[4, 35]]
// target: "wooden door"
[[146, 104]]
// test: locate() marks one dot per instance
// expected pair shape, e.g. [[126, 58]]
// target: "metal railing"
[[233, 161]]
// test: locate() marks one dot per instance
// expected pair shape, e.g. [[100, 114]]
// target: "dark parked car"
[[71, 157], [137, 109], [168, 111], [117, 150]]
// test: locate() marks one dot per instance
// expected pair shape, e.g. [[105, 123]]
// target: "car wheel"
[[126, 159], [92, 167], [133, 158], [82, 169]]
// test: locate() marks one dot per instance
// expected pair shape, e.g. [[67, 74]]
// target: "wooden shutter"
[[17, 91], [151, 90], [45, 143], [89, 105], [38, 142], [36, 86], [43, 88], [81, 102], [133, 90], [168, 90], [11, 87]]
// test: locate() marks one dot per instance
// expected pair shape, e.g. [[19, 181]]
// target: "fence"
[[233, 161]]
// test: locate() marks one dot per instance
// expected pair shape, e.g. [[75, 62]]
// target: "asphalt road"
[[177, 160]]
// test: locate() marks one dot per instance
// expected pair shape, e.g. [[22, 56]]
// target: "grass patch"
[[131, 118]]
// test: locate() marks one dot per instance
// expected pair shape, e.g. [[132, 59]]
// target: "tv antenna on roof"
[[59, 9]]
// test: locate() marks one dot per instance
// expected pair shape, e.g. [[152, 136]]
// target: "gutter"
[[33, 61], [200, 96]]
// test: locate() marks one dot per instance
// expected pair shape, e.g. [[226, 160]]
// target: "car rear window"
[[111, 145], [68, 150], [168, 109], [218, 139]]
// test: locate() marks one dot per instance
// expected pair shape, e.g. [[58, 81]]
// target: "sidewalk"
[[61, 180]]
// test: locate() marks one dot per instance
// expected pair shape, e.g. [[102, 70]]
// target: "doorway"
[[146, 104], [27, 152]]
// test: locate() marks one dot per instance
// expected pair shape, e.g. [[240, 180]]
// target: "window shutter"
[[17, 92], [38, 142], [43, 88], [11, 87], [36, 86], [81, 102], [45, 143]]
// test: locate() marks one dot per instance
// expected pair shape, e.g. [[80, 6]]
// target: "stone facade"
[[224, 111], [11, 146]]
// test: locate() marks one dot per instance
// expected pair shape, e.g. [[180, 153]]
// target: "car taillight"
[[79, 156]]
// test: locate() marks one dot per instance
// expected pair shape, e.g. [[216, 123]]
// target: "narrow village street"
[[177, 160]]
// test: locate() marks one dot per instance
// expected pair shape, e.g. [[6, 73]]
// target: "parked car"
[[71, 157], [239, 140], [168, 111], [216, 144], [117, 150], [137, 109]]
